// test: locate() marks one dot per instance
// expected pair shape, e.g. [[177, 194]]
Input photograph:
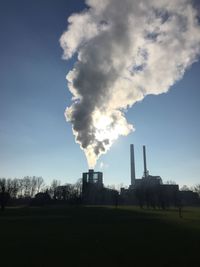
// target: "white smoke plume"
[[124, 50]]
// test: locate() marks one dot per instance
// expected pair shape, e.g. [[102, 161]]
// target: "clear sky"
[[36, 140]]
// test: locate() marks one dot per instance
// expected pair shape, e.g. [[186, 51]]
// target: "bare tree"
[[40, 184], [2, 183], [4, 195], [33, 185], [185, 188], [78, 187], [196, 189], [119, 186], [112, 186], [12, 187], [63, 192], [21, 187], [170, 182], [55, 183], [27, 186]]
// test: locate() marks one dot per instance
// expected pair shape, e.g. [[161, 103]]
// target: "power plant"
[[148, 190], [146, 178], [93, 190], [132, 157], [92, 177], [146, 173]]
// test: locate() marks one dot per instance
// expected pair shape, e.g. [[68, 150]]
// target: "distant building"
[[146, 180], [148, 190], [93, 178], [94, 192]]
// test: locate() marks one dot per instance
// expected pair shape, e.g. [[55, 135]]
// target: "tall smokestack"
[[132, 164], [145, 162]]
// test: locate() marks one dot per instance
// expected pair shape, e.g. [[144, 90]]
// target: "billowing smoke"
[[123, 51]]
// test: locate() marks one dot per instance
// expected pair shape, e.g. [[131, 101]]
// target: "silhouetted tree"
[[13, 187], [20, 187], [27, 186], [39, 184], [33, 185], [196, 189], [112, 186], [62, 192], [36, 184], [41, 198], [170, 182], [10, 186], [78, 187], [52, 190], [4, 196], [30, 185], [185, 188]]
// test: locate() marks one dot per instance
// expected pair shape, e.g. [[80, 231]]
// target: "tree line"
[[33, 190], [25, 187]]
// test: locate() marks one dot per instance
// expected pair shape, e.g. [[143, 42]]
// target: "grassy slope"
[[98, 236]]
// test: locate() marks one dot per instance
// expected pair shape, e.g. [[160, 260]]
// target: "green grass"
[[99, 236]]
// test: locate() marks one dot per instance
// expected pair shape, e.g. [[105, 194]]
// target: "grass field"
[[99, 236]]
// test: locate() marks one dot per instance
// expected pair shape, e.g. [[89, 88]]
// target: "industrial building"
[[94, 192], [93, 178], [149, 190], [146, 179]]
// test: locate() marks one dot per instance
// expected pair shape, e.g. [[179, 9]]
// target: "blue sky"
[[35, 139]]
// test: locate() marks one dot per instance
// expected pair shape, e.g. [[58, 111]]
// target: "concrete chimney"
[[132, 164], [145, 163]]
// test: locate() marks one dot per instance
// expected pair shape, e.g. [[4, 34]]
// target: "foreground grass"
[[99, 236]]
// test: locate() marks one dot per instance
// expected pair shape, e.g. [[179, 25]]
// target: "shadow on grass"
[[95, 236]]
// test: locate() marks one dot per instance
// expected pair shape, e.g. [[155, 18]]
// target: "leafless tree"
[[112, 186], [27, 186], [12, 187], [170, 182], [196, 189], [21, 187], [40, 184], [52, 191], [78, 187], [33, 186], [2, 183], [4, 195], [185, 188]]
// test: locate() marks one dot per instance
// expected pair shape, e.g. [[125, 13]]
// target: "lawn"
[[99, 236]]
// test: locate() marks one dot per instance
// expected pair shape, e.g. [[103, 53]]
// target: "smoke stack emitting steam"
[[124, 51]]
